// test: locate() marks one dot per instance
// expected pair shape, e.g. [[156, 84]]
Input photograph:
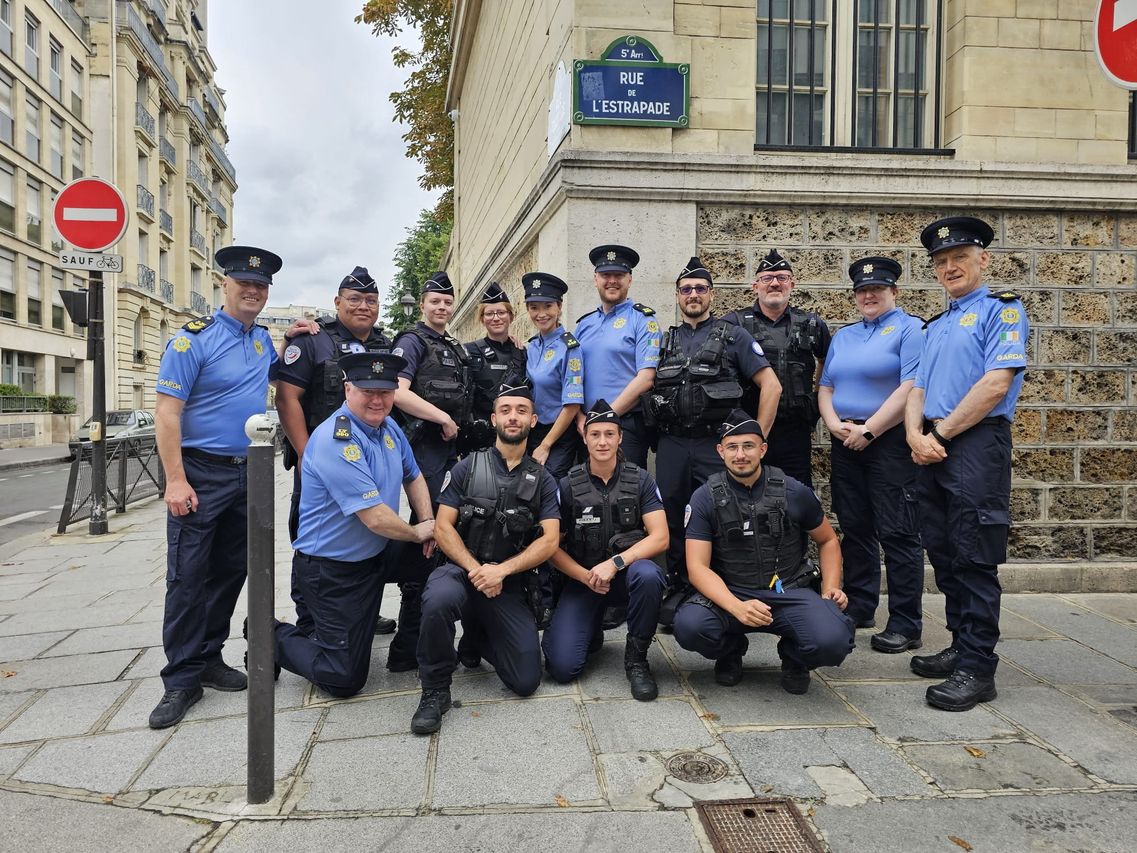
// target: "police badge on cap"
[[522, 390], [372, 370], [438, 283], [740, 423], [248, 263], [543, 287], [773, 262], [599, 413], [493, 294], [613, 258], [874, 270], [695, 269], [956, 231], [359, 281]]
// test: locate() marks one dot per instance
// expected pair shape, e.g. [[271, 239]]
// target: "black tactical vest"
[[756, 540], [490, 367], [325, 390], [598, 514], [790, 350], [497, 520], [443, 375], [695, 392]]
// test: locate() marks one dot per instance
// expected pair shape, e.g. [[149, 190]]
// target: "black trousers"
[[681, 466], [790, 447]]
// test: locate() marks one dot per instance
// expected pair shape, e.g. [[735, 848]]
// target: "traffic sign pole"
[[97, 353]]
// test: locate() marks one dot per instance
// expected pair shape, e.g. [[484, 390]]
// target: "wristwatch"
[[619, 563], [943, 442], [868, 435]]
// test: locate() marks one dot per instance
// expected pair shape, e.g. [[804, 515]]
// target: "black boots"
[[636, 668]]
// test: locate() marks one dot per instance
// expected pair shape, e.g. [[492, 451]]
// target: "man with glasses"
[[795, 343], [704, 363], [310, 385]]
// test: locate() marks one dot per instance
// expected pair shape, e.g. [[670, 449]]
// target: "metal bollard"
[[260, 431]]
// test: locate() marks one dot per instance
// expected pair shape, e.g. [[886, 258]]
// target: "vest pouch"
[[624, 541], [447, 395], [590, 530], [477, 525], [715, 400]]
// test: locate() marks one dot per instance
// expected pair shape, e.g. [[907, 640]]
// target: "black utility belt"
[[194, 453], [857, 421], [695, 431], [994, 420]]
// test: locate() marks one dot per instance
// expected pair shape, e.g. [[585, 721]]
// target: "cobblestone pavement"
[[1050, 764]]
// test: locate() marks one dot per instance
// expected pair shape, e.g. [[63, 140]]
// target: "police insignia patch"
[[377, 367], [397, 351], [574, 364], [254, 261], [620, 323], [388, 442], [342, 431], [445, 482], [611, 256], [259, 347], [943, 232], [867, 268], [757, 348], [686, 515], [181, 343], [549, 354], [534, 284], [887, 330], [352, 453], [1009, 315], [291, 353], [652, 326], [968, 319]]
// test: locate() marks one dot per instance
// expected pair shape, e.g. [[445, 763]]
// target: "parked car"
[[121, 423]]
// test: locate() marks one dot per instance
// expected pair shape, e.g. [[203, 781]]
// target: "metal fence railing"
[[134, 472]]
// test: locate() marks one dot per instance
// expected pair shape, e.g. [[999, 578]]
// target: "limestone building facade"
[[830, 130]]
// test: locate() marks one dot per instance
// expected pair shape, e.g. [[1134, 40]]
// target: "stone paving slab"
[[102, 763], [899, 713], [483, 685], [135, 711], [12, 702], [63, 672], [1012, 626], [604, 678], [551, 832], [867, 665], [1104, 823], [63, 711], [28, 646], [12, 756], [631, 726], [40, 605], [33, 622], [1067, 662], [514, 752], [760, 701], [11, 591], [367, 774], [109, 639], [1099, 633], [1123, 608], [994, 767], [386, 716]]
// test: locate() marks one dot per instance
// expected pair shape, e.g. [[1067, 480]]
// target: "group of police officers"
[[531, 509]]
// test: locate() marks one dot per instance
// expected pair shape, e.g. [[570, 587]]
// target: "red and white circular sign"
[[1115, 40], [90, 214]]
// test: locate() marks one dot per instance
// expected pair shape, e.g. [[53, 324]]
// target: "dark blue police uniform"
[[874, 490], [506, 624], [965, 499], [340, 564]]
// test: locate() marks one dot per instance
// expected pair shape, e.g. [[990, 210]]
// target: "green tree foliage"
[[415, 259], [421, 105]]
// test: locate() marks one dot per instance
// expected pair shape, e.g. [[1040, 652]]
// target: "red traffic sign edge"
[[1110, 75], [122, 201]]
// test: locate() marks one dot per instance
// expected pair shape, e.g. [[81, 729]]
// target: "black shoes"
[[596, 643], [401, 663], [431, 707], [893, 642], [469, 655], [383, 625], [940, 665], [171, 710], [962, 691], [728, 668], [221, 676], [638, 671], [613, 617], [868, 622], [795, 679]]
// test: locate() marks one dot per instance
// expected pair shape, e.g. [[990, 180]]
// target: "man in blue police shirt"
[[213, 377], [958, 424], [498, 518], [354, 465], [746, 557], [619, 341]]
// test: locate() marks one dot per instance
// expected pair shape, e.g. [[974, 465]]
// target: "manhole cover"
[[696, 767], [769, 825]]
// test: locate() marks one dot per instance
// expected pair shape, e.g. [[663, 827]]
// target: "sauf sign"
[[631, 85], [1115, 40]]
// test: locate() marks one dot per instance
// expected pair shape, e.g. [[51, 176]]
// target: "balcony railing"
[[158, 10], [74, 19], [167, 290], [166, 222], [128, 19], [198, 303], [197, 112], [146, 278], [197, 241], [197, 175], [212, 101], [167, 151], [143, 119], [219, 210], [146, 201], [222, 160]]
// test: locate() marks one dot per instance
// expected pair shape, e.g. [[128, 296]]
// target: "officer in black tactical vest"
[[704, 365], [614, 525], [495, 360], [795, 343], [498, 518], [310, 384], [433, 399], [746, 557]]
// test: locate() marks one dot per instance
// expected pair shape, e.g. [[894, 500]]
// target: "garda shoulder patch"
[[198, 324], [1005, 296], [342, 431], [647, 311], [570, 341]]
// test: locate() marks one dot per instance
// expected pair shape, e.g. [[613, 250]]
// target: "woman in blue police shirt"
[[870, 369], [556, 372]]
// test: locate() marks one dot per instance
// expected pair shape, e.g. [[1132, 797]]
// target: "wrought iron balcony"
[[143, 119], [146, 278], [146, 201], [74, 19], [212, 101], [167, 290], [166, 222], [197, 176], [158, 10], [222, 160], [197, 241], [198, 303], [197, 112], [167, 151], [219, 210], [129, 20]]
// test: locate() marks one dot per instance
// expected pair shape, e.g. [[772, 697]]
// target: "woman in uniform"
[[495, 360]]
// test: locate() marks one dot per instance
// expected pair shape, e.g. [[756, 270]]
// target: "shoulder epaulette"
[[570, 341], [931, 320], [586, 314], [199, 323], [1005, 296], [646, 310], [342, 431], [533, 339]]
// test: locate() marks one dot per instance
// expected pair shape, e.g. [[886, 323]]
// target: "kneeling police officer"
[[746, 557], [354, 464], [498, 518], [614, 524]]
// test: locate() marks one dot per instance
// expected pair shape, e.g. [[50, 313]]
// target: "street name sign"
[[90, 214], [1115, 41], [631, 85]]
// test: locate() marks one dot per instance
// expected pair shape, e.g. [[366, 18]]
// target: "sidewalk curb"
[[32, 463]]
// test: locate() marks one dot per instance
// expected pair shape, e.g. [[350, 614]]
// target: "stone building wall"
[[1075, 433]]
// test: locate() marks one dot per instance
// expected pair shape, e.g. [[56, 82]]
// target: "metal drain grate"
[[762, 825], [696, 767]]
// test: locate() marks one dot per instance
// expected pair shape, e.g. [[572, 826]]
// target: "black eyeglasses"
[[700, 289]]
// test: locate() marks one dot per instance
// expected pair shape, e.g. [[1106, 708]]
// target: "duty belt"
[[194, 453]]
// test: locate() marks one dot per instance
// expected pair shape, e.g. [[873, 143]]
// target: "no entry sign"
[[90, 214], [1115, 40]]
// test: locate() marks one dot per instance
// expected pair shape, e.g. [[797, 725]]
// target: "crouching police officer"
[[354, 464], [746, 557], [614, 524], [497, 518]]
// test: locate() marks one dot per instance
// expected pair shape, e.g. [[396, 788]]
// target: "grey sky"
[[324, 180]]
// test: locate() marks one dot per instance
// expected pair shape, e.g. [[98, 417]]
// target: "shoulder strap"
[[643, 309], [530, 475], [570, 341], [578, 482], [480, 480], [1004, 296], [342, 431], [933, 319], [586, 314], [195, 326], [629, 480]]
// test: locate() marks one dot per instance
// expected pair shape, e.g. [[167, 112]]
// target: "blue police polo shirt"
[[222, 374], [556, 373], [869, 359], [343, 477], [616, 346], [802, 506], [976, 334]]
